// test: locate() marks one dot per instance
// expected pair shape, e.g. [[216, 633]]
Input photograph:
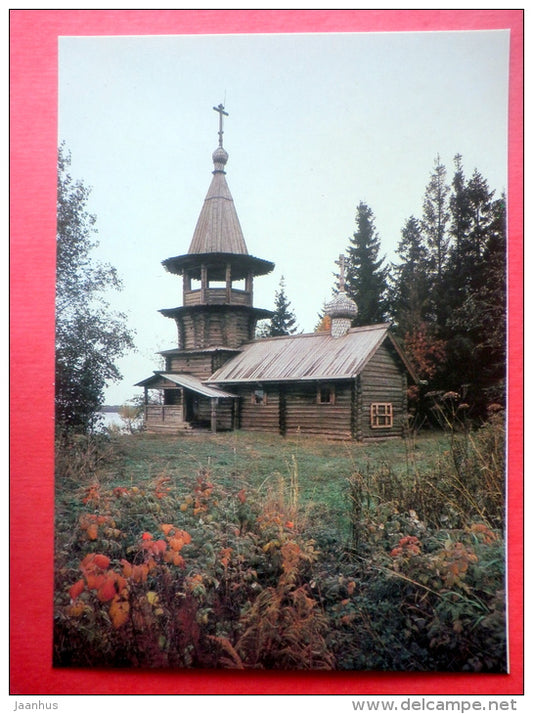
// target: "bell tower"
[[218, 272]]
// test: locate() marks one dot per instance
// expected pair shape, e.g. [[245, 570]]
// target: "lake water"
[[112, 419]]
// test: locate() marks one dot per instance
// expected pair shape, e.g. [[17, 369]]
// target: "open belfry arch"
[[344, 383]]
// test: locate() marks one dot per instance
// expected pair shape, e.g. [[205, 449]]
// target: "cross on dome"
[[221, 115], [341, 263]]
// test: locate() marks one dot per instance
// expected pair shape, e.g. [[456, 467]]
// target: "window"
[[381, 415], [259, 396], [325, 394]]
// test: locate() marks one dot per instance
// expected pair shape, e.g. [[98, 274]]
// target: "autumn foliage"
[[175, 572]]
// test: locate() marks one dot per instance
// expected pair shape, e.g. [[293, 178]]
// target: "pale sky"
[[317, 123]]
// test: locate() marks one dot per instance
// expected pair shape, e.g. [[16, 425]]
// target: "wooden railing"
[[217, 296], [159, 413]]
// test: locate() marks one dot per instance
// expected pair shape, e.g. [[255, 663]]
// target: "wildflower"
[[147, 536]]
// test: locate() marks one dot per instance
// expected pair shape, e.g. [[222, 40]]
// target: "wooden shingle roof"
[[218, 229], [315, 356]]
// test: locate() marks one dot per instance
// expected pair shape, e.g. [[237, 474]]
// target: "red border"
[[33, 91]]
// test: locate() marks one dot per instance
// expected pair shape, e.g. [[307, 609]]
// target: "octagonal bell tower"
[[218, 272]]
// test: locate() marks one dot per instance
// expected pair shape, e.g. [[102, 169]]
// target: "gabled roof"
[[305, 357], [157, 381]]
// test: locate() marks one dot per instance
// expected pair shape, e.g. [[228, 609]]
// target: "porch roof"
[[187, 381]]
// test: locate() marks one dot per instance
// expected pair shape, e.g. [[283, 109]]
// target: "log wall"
[[305, 415], [200, 366], [210, 329], [383, 380], [259, 417], [293, 408]]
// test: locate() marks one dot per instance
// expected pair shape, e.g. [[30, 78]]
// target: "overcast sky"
[[317, 123]]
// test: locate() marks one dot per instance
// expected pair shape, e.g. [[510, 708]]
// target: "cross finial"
[[341, 263], [221, 114]]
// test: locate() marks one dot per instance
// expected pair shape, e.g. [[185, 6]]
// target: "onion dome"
[[342, 309], [341, 306], [220, 159]]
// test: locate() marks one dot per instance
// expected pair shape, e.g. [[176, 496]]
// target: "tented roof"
[[218, 229]]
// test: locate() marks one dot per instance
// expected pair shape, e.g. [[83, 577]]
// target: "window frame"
[[256, 401], [376, 414], [331, 393]]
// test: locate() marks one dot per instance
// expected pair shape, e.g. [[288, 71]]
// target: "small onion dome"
[[341, 306], [220, 158]]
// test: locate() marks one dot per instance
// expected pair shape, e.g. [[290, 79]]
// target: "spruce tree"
[[409, 283], [477, 294], [366, 278], [435, 218], [283, 321]]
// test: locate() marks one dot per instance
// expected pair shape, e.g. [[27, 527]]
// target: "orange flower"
[[147, 536], [166, 528]]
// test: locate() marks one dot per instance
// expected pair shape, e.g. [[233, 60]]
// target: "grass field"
[[250, 550]]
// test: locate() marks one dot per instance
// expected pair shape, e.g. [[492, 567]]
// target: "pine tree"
[[283, 321], [366, 278]]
